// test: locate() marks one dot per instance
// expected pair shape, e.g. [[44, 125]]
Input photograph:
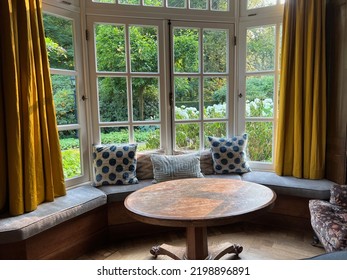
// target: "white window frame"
[[161, 75], [82, 12], [135, 11], [229, 75], [73, 13], [277, 21], [260, 12]]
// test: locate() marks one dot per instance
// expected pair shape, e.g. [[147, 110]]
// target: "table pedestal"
[[196, 247]]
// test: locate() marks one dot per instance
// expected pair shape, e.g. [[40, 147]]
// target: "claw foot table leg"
[[226, 248], [176, 253]]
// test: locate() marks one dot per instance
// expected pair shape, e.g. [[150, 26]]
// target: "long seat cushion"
[[117, 193], [77, 201], [288, 185], [329, 222]]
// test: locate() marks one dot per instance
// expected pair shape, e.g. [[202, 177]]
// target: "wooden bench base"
[[65, 241]]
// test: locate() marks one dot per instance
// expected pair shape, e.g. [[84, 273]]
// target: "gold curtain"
[[30, 159], [301, 131]]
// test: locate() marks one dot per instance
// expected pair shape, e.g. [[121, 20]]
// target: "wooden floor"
[[259, 243]]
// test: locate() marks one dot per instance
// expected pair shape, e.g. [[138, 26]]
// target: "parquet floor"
[[259, 243]]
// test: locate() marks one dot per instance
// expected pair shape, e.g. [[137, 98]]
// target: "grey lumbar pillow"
[[170, 167]]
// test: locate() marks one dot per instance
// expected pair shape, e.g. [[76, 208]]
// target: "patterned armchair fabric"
[[329, 220]]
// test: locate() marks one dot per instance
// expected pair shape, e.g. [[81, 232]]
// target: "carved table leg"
[[176, 253], [226, 248]]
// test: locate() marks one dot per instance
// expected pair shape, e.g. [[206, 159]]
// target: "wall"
[[336, 166]]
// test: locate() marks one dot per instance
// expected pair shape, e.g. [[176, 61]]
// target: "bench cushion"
[[287, 185], [119, 193], [77, 201], [225, 176]]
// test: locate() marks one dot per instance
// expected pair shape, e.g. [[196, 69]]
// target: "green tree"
[[58, 37], [111, 57], [261, 46]]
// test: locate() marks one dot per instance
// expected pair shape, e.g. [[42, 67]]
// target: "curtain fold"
[[301, 131], [31, 164]]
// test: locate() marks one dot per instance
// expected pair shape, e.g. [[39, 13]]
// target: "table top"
[[199, 202]]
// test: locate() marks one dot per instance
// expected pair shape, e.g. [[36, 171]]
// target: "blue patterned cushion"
[[229, 155], [170, 167], [115, 164]]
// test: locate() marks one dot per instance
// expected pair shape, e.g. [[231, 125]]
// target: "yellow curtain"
[[301, 131], [30, 159]]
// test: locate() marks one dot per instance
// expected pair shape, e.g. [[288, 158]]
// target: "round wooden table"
[[197, 204]]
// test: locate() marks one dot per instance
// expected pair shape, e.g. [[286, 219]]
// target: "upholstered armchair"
[[329, 219]]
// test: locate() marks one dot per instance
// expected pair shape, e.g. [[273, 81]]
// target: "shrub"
[[71, 163]]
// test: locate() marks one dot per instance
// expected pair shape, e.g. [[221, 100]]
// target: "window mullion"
[[129, 82]]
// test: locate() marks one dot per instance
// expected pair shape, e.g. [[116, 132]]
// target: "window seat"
[[105, 216], [61, 229], [47, 215], [282, 185], [288, 185]]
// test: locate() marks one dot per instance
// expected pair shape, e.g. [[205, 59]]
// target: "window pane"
[[215, 129], [259, 144], [215, 91], [114, 135], [261, 45], [64, 95], [59, 42], [186, 50], [176, 3], [154, 3], [147, 137], [215, 51], [198, 4], [129, 2], [144, 49], [145, 99], [220, 5], [110, 47], [259, 96], [71, 154], [187, 136], [187, 98], [113, 105], [254, 4]]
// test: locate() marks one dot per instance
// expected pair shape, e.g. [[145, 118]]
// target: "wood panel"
[[122, 226], [65, 241], [336, 152], [117, 214], [288, 212], [70, 239], [13, 251], [291, 206]]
